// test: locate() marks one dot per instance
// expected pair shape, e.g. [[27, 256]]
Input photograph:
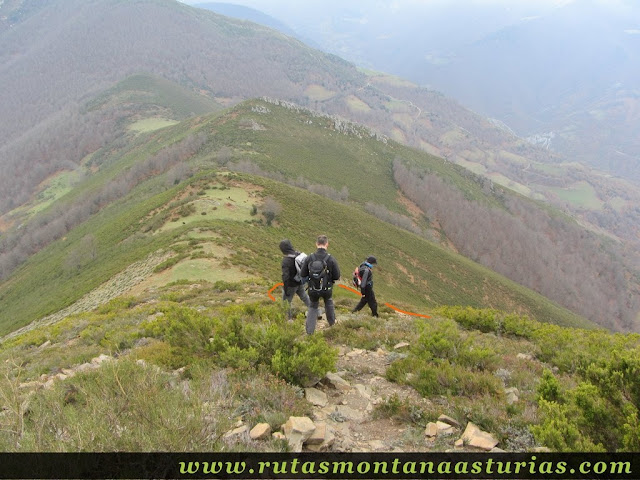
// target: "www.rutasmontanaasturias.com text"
[[399, 467]]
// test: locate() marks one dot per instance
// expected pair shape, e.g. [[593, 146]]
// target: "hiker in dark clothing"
[[323, 271], [366, 286], [292, 283]]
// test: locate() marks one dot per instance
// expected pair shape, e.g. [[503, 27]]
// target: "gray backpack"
[[299, 261]]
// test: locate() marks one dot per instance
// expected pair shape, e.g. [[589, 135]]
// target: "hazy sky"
[[283, 6], [278, 4]]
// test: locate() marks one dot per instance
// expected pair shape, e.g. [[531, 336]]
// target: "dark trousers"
[[312, 313], [289, 292], [368, 298]]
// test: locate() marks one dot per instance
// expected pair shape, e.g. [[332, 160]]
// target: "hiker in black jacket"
[[366, 286], [323, 271], [292, 285]]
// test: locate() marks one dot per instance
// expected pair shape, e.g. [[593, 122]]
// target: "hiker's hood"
[[286, 247]]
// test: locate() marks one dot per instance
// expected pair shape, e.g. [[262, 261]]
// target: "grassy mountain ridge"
[[370, 177], [128, 200]]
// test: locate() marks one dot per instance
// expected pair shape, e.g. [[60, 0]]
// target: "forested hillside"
[[50, 74], [84, 47]]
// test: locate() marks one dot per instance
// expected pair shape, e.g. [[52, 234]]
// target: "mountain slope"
[[140, 204], [84, 48]]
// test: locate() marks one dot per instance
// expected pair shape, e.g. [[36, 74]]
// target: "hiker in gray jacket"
[[293, 285]]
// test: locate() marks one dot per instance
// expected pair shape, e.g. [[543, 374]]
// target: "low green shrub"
[[403, 410], [549, 387], [559, 431], [305, 362], [240, 336], [631, 429], [443, 378]]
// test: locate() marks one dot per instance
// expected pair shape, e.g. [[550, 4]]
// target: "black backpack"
[[319, 279]]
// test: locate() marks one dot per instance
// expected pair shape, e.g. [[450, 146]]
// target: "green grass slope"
[[414, 274]]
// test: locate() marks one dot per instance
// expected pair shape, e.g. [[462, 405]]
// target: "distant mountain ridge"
[[573, 72], [256, 16], [566, 74]]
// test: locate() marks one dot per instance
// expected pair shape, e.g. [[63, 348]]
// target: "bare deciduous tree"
[[271, 209]]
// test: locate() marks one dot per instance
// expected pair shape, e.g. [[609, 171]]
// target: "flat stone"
[[512, 398], [316, 397], [475, 437], [329, 440], [400, 345], [86, 366], [444, 428], [260, 431], [350, 413], [317, 437], [431, 430], [363, 390], [451, 421], [337, 382], [355, 352], [302, 425], [236, 432], [100, 359], [298, 430]]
